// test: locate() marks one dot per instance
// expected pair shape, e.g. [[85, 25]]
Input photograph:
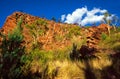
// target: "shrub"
[[73, 31], [59, 37], [104, 36], [61, 54], [110, 42], [12, 50], [36, 61], [36, 29]]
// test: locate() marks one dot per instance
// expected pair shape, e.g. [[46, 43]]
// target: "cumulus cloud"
[[84, 16], [76, 16], [92, 16], [63, 17]]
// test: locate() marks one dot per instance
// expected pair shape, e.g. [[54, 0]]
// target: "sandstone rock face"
[[11, 21], [55, 35], [48, 39], [93, 36]]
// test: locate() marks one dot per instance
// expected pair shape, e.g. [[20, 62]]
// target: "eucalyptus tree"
[[112, 20], [107, 20]]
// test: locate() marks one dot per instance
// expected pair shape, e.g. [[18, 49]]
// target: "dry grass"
[[76, 69], [66, 70], [102, 62]]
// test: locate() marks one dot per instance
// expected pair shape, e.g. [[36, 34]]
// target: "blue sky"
[[56, 8]]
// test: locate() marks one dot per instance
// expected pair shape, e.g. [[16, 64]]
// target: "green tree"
[[53, 18], [11, 51]]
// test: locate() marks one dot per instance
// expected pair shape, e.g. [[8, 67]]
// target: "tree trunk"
[[108, 28]]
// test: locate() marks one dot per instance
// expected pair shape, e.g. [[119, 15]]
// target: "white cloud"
[[91, 19], [76, 16], [92, 16], [84, 16], [63, 17]]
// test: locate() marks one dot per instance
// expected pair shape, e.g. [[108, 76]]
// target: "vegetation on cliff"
[[42, 49]]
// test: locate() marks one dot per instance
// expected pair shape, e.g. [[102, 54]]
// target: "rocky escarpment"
[[93, 37], [54, 36], [11, 21], [16, 62]]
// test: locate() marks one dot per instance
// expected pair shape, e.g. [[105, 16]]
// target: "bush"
[[12, 50], [61, 54], [36, 61], [59, 37], [104, 36], [110, 42], [36, 29], [73, 31]]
